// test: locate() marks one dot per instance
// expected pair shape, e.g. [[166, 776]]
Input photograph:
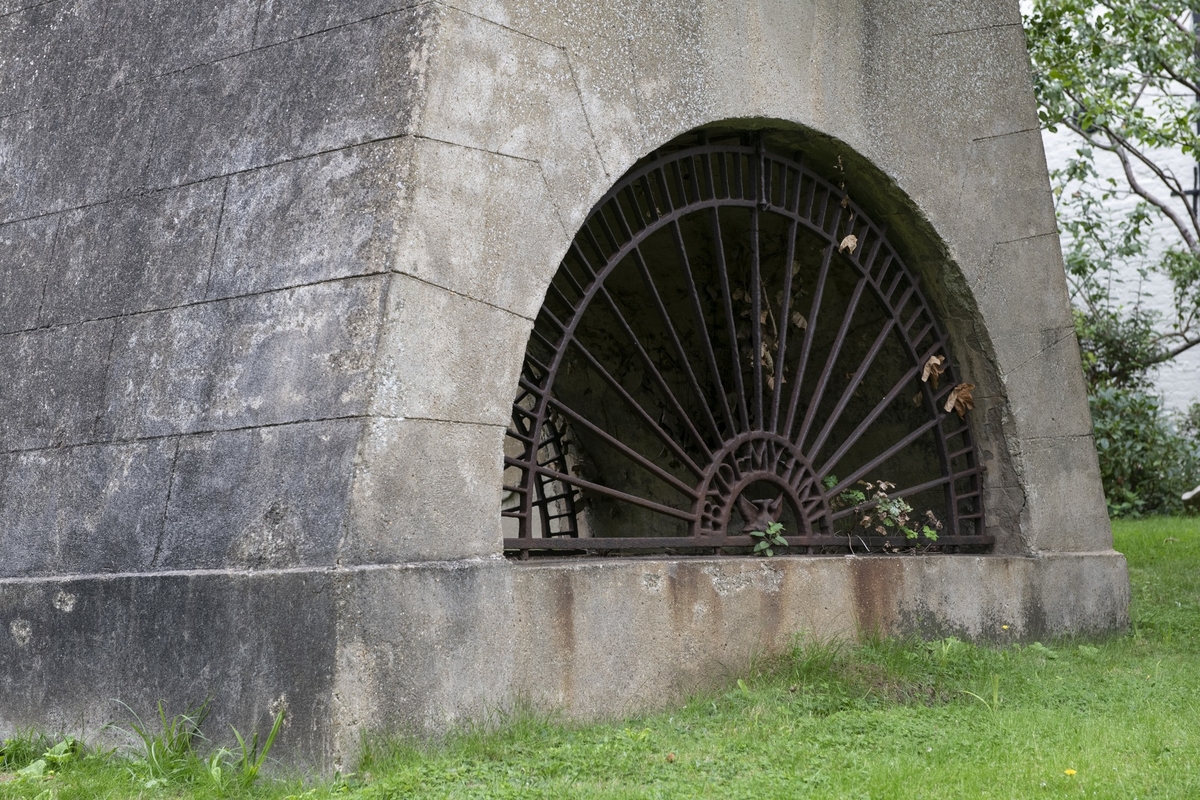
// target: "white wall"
[[1179, 380]]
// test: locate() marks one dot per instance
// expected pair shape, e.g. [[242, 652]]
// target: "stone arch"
[[935, 152]]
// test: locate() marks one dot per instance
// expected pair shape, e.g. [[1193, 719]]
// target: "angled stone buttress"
[[267, 276]]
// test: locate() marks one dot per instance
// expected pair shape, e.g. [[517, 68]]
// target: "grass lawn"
[[885, 719]]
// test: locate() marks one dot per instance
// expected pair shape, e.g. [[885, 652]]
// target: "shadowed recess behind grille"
[[731, 342]]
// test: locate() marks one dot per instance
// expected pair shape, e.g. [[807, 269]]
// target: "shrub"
[[1148, 459]]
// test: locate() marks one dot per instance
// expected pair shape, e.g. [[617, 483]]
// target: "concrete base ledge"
[[608, 636], [422, 647]]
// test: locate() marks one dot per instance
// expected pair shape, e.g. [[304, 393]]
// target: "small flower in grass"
[[1003, 627], [1068, 772]]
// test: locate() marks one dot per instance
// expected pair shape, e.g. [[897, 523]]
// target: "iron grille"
[[731, 341]]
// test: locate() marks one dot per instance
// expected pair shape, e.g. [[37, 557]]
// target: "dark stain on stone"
[[276, 513], [564, 614], [874, 582], [679, 592], [771, 612]]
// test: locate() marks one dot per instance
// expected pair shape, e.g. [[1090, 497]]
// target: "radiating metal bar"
[[785, 323], [673, 336], [627, 451], [868, 421], [882, 457], [730, 325], [756, 312], [600, 489], [684, 418], [710, 355], [806, 348], [830, 362], [840, 407], [667, 440]]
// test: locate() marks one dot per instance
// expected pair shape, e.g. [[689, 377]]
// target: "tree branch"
[[1167, 355], [1087, 137], [1189, 236], [1167, 177], [1191, 86]]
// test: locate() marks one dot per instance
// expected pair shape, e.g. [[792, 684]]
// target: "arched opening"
[[730, 343]]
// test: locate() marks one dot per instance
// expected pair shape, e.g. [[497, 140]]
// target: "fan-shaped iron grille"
[[714, 354]]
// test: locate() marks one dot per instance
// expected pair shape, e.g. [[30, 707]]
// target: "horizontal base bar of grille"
[[712, 542]]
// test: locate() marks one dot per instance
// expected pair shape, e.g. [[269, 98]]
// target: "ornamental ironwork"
[[731, 342]]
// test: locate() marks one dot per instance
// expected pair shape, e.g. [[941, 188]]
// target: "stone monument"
[[273, 275]]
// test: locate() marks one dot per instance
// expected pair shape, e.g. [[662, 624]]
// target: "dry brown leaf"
[[917, 399], [845, 201], [798, 320], [960, 399], [934, 368], [766, 359], [849, 243]]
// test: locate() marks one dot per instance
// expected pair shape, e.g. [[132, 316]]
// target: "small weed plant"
[[169, 753], [769, 539], [879, 513], [35, 771], [172, 753]]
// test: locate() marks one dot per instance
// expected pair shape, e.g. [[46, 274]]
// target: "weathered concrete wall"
[[266, 274], [585, 628]]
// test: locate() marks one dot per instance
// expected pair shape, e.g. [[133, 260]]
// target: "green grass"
[[882, 719]]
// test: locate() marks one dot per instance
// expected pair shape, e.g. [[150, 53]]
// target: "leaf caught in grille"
[[960, 399], [934, 368]]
